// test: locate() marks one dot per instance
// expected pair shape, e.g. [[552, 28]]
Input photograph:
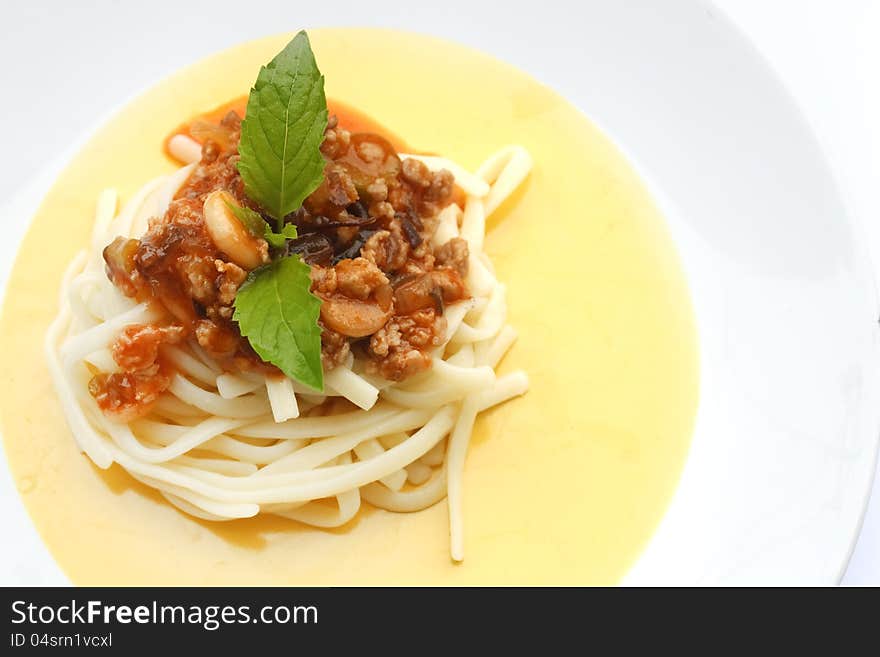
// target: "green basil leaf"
[[281, 164], [281, 135], [279, 316], [277, 240]]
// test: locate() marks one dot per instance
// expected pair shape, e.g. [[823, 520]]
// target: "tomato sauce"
[[350, 118]]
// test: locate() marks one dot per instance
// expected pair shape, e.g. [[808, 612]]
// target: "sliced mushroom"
[[428, 290], [354, 318]]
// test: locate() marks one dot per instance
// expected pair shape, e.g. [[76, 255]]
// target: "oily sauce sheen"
[[348, 117], [365, 232]]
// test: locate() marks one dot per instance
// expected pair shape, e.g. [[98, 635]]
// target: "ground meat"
[[402, 347], [421, 259], [336, 140], [218, 340], [230, 278], [137, 347], [199, 276], [358, 278], [177, 264], [323, 280], [356, 297], [441, 188], [126, 396], [415, 172], [364, 231], [129, 394], [341, 189], [433, 189], [334, 348], [218, 169], [383, 211], [175, 260], [377, 190], [386, 249], [454, 254]]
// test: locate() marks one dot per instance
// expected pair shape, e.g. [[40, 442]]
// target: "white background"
[[64, 64]]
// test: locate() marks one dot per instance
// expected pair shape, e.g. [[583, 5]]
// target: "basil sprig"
[[280, 165]]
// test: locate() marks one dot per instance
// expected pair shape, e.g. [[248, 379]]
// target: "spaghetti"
[[221, 444]]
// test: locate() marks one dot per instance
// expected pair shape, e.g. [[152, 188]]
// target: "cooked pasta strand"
[[222, 445]]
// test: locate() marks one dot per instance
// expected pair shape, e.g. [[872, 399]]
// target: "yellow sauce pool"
[[563, 486]]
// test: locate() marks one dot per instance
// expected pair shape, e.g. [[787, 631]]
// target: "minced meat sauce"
[[365, 232]]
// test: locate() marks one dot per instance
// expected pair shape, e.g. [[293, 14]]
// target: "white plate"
[[787, 431]]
